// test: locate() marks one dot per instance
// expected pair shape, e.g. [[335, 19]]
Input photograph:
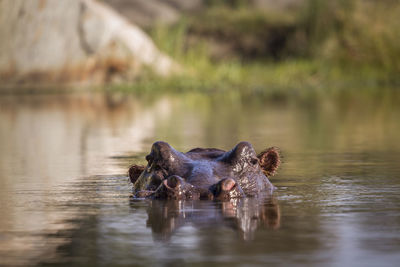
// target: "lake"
[[65, 196]]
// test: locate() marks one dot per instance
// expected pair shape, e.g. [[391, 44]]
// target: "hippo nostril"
[[227, 188], [228, 184], [173, 182]]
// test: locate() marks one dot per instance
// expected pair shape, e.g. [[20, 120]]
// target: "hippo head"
[[204, 173]]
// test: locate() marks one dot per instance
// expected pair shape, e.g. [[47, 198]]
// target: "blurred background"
[[86, 87], [270, 48]]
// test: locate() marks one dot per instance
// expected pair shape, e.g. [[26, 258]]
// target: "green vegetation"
[[324, 47]]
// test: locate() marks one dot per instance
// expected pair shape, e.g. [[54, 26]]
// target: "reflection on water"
[[242, 215], [65, 198]]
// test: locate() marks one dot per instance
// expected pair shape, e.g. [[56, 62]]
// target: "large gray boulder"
[[147, 13], [74, 41]]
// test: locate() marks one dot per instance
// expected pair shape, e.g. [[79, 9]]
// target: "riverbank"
[[321, 48]]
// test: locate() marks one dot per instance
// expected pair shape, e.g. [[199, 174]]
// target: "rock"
[[281, 5], [150, 12], [76, 41]]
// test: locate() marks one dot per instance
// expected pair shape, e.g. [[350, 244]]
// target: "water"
[[65, 196]]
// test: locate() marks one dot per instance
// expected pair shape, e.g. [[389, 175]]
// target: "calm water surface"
[[65, 196]]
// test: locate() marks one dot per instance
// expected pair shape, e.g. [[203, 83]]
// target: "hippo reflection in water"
[[245, 216], [204, 173]]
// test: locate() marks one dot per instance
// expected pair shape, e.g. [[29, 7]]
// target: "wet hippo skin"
[[204, 173]]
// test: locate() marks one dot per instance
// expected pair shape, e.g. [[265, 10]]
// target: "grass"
[[326, 48]]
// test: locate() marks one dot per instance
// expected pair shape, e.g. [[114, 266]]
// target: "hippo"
[[204, 173]]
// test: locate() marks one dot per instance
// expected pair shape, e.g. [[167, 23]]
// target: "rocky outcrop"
[[74, 41], [147, 13]]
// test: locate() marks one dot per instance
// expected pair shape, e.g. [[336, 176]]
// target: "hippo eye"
[[254, 161]]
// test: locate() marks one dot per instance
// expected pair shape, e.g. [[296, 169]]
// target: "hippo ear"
[[269, 160], [134, 172]]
